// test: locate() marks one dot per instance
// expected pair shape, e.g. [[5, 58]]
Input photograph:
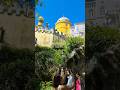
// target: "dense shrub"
[[16, 69], [102, 58]]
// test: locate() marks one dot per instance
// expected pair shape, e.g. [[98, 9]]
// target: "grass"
[[46, 86]]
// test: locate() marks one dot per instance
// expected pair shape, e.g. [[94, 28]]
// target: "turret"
[[41, 21]]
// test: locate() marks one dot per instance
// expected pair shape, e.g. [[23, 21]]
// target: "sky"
[[52, 10]]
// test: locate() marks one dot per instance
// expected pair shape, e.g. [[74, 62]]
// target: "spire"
[[47, 25]]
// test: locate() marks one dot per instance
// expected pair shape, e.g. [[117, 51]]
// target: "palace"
[[56, 37]]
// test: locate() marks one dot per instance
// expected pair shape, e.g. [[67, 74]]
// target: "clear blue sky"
[[52, 10]]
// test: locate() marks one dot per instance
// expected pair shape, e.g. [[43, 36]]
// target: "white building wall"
[[78, 29]]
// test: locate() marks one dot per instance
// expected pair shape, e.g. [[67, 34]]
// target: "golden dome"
[[63, 25], [63, 19]]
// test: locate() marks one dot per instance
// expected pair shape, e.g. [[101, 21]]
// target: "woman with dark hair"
[[66, 76], [78, 82], [57, 79], [63, 85]]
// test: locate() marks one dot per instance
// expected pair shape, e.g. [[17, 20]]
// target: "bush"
[[44, 62], [102, 56], [16, 69]]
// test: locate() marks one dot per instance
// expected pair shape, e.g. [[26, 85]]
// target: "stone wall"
[[18, 31], [44, 39], [103, 13]]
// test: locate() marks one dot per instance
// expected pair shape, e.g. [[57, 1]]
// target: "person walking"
[[66, 76], [70, 82], [57, 79], [63, 85], [64, 80], [77, 82]]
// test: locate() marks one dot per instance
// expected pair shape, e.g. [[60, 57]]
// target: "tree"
[[74, 52], [98, 39], [17, 69], [58, 58], [72, 43], [102, 58], [44, 62]]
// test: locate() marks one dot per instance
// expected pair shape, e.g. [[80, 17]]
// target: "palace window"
[[91, 12], [94, 4], [102, 10], [91, 5]]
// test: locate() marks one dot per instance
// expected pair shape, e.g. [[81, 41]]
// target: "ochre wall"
[[44, 39]]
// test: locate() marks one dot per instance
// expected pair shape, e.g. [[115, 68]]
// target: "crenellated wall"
[[48, 38], [17, 8], [44, 39]]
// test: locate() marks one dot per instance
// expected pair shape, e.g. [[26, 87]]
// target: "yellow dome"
[[63, 25], [63, 19]]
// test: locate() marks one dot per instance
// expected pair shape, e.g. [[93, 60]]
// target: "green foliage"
[[46, 86], [38, 49], [36, 1], [72, 43], [58, 57], [10, 54], [98, 39], [48, 59], [74, 54], [16, 69], [103, 48], [7, 2], [44, 62]]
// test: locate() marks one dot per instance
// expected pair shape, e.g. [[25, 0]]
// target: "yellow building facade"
[[48, 38], [63, 25], [43, 37]]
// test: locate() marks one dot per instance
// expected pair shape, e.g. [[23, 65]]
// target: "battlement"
[[55, 32], [48, 38], [44, 31], [58, 34], [18, 9]]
